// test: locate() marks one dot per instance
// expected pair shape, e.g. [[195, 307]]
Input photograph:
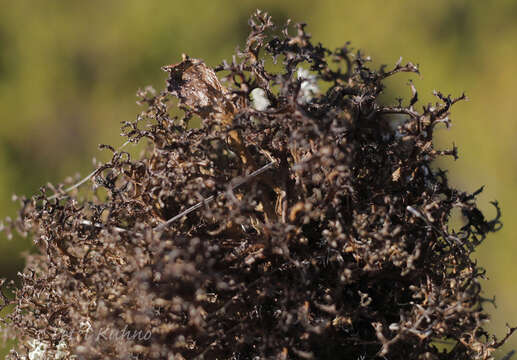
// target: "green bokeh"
[[69, 71]]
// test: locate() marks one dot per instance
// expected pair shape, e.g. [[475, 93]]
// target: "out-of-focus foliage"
[[68, 71]]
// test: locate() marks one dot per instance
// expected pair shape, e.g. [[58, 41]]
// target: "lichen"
[[309, 224]]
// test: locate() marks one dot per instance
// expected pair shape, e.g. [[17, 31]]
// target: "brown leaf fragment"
[[396, 175], [197, 87]]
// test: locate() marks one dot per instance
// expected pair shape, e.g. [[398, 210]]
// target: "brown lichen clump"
[[301, 220]]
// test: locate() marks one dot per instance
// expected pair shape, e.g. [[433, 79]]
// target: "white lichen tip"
[[259, 100], [62, 351], [38, 350], [309, 86]]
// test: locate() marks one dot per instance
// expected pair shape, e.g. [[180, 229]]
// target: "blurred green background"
[[69, 71]]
